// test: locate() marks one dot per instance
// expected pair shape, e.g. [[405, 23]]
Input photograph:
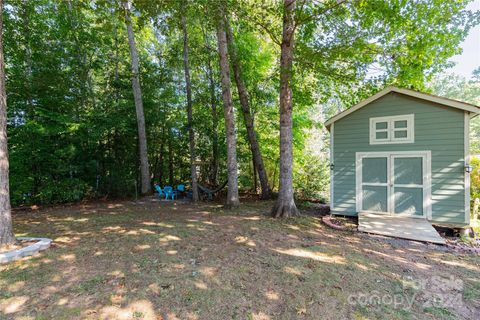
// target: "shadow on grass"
[[155, 260]]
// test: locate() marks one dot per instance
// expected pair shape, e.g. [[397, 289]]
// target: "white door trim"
[[332, 166], [466, 145], [427, 179]]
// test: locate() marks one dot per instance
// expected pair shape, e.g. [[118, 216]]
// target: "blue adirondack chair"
[[181, 190], [160, 192], [169, 192]]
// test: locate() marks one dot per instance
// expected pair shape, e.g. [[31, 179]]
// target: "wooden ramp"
[[401, 227]]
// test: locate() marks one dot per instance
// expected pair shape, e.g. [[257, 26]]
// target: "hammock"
[[210, 192]]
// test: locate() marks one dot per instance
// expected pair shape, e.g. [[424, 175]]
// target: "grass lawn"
[[161, 260]]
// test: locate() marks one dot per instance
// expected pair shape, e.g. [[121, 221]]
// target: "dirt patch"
[[464, 245], [314, 208], [174, 260]]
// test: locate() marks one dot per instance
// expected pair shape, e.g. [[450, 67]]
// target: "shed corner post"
[[332, 166], [466, 164]]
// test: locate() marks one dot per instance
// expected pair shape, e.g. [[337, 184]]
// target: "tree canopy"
[[71, 114]]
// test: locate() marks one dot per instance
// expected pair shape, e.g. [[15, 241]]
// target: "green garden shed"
[[402, 153]]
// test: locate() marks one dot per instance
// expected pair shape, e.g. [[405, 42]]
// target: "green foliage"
[[312, 178], [475, 179], [70, 190], [72, 123], [467, 90]]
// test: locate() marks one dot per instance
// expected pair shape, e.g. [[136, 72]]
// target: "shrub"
[[311, 178], [474, 180]]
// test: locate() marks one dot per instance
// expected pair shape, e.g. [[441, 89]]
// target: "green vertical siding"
[[437, 128]]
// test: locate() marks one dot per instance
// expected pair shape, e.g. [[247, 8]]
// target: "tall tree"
[[6, 230], [285, 204], [188, 84], [213, 106], [229, 114], [78, 138], [247, 114], [137, 94]]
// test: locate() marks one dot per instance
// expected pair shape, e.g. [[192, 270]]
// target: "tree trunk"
[[247, 115], [255, 184], [137, 93], [285, 205], [161, 158], [274, 179], [28, 58], [6, 229], [232, 195], [213, 104], [160, 165], [191, 135], [171, 173]]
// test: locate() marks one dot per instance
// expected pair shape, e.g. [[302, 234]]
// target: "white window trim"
[[410, 118]]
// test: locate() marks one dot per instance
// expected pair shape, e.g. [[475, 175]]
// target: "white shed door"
[[375, 184], [395, 183]]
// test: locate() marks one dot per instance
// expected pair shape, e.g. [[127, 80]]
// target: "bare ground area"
[[165, 260]]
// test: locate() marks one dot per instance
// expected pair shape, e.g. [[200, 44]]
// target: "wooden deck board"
[[400, 227]]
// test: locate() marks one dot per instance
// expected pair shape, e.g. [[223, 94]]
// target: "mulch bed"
[[459, 246], [340, 223]]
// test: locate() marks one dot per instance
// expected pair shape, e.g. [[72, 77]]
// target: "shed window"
[[394, 129]]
